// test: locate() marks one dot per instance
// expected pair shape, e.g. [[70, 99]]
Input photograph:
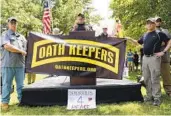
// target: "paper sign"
[[81, 99]]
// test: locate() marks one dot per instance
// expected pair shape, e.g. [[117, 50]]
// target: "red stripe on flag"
[[46, 21]]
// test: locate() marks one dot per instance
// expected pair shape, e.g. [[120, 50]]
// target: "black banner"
[[75, 56]]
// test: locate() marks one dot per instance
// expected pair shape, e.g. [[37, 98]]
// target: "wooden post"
[[82, 81]]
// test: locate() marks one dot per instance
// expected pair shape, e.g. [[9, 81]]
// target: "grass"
[[128, 108]]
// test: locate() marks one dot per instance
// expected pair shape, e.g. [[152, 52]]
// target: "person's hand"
[[159, 54], [75, 26], [24, 53]]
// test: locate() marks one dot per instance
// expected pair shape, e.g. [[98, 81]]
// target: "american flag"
[[46, 18]]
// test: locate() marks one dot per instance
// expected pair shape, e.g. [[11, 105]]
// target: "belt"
[[149, 55]]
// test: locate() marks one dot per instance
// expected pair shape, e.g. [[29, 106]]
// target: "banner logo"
[[85, 51]]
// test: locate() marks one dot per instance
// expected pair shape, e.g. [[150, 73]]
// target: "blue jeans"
[[8, 74]]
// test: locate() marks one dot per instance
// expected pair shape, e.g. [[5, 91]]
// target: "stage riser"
[[104, 94]]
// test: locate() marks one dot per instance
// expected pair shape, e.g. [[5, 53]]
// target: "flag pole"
[[51, 21], [51, 5]]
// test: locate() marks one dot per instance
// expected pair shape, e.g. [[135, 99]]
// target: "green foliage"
[[91, 18], [29, 13], [133, 14], [65, 13]]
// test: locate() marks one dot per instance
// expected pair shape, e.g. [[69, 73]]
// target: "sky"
[[102, 9]]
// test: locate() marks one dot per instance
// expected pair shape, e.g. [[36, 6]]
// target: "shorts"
[[130, 63], [136, 63]]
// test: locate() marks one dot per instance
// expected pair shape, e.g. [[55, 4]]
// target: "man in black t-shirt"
[[152, 41]]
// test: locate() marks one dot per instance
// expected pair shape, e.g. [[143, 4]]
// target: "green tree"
[[65, 11], [29, 13], [133, 14]]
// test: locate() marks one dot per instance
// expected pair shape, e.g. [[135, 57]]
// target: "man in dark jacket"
[[80, 24]]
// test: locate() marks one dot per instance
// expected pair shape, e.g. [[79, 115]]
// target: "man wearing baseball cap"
[[165, 63], [104, 34], [13, 61], [152, 41], [80, 24]]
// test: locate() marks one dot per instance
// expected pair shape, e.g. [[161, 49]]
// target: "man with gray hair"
[[165, 62]]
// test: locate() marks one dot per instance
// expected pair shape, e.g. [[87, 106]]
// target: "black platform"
[[53, 91]]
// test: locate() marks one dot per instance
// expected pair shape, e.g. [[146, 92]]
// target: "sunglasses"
[[13, 22]]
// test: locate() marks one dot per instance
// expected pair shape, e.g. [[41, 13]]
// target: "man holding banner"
[[13, 61]]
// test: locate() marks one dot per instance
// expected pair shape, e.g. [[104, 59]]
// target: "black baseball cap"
[[158, 19], [12, 19], [81, 15]]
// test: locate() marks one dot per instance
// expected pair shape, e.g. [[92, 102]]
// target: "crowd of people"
[[156, 43], [132, 61]]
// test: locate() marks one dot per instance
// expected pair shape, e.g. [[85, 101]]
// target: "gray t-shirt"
[[165, 31], [10, 59], [166, 57]]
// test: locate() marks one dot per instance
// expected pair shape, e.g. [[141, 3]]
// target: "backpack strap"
[[157, 32]]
